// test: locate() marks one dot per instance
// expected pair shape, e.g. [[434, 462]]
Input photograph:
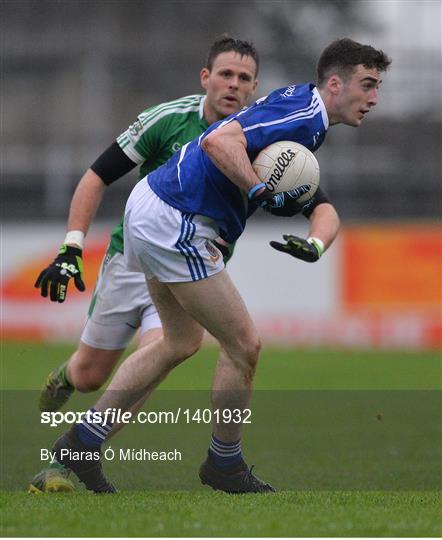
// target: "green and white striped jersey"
[[156, 135]]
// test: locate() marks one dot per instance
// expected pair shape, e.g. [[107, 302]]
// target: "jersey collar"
[[322, 107], [203, 121]]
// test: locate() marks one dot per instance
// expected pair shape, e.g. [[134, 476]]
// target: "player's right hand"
[[308, 250], [281, 204], [68, 264]]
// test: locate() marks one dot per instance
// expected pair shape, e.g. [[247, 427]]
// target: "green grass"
[[25, 366], [216, 514], [330, 427]]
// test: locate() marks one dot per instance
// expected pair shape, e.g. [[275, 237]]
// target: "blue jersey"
[[190, 182]]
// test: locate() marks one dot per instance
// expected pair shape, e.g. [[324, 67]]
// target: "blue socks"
[[93, 430], [225, 455]]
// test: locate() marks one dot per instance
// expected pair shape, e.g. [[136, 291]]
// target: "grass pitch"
[[217, 514], [148, 509]]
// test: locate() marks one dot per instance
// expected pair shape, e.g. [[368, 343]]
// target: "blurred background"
[[76, 73]]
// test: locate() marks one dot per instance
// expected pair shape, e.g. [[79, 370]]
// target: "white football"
[[286, 165]]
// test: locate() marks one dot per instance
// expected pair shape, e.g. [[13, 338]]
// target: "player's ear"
[[204, 77], [334, 84], [255, 85]]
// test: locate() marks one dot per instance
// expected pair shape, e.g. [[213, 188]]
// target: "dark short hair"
[[226, 43], [343, 55]]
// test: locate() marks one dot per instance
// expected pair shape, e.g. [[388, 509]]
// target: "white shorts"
[[121, 304], [168, 244]]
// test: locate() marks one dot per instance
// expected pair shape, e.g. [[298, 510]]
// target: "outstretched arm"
[[54, 279], [324, 226]]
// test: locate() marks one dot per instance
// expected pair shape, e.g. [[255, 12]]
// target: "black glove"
[[308, 250], [280, 204], [66, 265]]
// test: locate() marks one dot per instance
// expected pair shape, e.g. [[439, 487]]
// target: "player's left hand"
[[286, 204], [306, 250], [283, 204]]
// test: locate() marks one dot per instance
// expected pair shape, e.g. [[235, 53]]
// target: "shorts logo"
[[213, 252]]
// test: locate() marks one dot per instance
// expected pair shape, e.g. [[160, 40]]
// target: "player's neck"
[[327, 98], [210, 114]]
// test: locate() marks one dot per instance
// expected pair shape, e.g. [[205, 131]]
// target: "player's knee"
[[89, 368], [191, 346], [88, 381], [252, 348], [88, 385], [244, 353], [182, 350], [87, 378]]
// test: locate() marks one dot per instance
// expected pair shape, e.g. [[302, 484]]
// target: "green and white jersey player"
[[121, 303]]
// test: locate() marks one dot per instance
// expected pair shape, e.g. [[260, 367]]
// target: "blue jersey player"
[[208, 189]]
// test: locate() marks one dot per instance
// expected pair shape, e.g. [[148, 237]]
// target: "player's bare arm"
[[324, 224], [111, 165], [85, 202], [226, 147]]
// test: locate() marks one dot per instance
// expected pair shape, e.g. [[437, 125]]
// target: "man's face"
[[229, 85], [357, 95]]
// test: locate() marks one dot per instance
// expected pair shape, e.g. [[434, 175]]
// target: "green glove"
[[309, 250], [68, 264]]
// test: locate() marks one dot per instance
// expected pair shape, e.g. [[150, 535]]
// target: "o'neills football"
[[286, 165]]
